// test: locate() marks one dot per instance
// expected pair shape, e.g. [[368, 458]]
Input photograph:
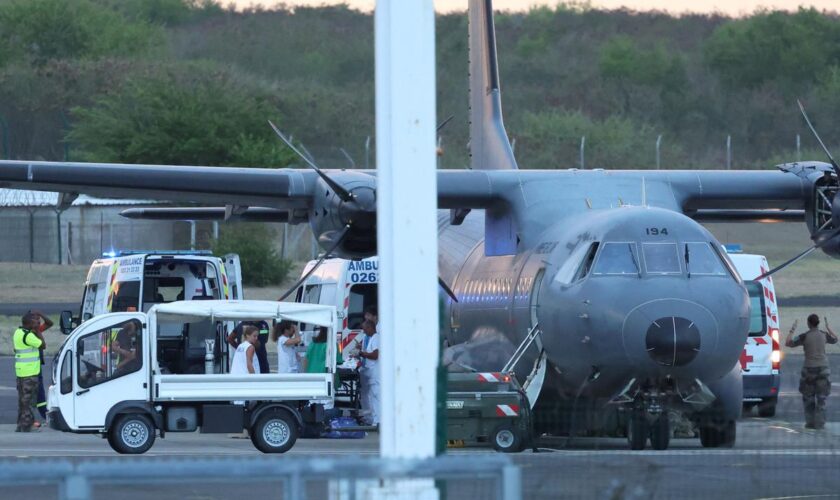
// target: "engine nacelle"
[[330, 215], [823, 211]]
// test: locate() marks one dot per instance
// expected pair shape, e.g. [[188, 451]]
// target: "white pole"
[[658, 142], [798, 150], [728, 152], [192, 235], [582, 150], [407, 229]]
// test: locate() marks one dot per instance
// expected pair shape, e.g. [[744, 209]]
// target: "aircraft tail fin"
[[490, 148]]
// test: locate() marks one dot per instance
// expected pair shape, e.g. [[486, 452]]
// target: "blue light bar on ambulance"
[[733, 248], [123, 253]]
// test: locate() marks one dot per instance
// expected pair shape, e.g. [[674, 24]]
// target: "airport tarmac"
[[773, 459]]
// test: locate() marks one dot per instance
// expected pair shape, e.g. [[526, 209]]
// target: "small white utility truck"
[[110, 377]]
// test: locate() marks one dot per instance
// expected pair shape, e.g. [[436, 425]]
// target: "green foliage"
[[553, 139], [622, 59], [37, 31], [695, 79], [164, 12], [181, 115], [768, 46], [261, 265]]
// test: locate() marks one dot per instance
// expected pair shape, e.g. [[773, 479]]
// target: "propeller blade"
[[317, 264], [444, 122], [817, 245], [447, 289], [814, 131], [337, 188]]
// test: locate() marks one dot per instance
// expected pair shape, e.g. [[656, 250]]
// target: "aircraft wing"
[[293, 188], [282, 188]]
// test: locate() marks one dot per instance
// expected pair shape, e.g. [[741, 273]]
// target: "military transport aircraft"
[[640, 310]]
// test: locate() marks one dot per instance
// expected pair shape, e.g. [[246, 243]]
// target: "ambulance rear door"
[[95, 296], [361, 284], [125, 283], [232, 277]]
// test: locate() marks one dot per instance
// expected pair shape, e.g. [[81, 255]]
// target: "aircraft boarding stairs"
[[534, 381]]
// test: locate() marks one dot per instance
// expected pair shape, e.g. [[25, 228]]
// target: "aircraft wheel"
[[637, 432], [660, 433], [718, 434], [275, 432], [132, 434], [506, 439], [728, 433], [767, 408]]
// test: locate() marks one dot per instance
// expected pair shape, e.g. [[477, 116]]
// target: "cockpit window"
[[661, 258], [701, 259], [617, 258], [578, 264]]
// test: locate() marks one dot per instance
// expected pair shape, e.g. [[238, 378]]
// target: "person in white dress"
[[287, 337]]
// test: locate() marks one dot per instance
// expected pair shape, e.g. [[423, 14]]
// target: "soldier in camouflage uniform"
[[814, 384], [27, 345]]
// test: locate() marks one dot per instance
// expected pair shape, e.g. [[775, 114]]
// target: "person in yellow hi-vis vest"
[[27, 368]]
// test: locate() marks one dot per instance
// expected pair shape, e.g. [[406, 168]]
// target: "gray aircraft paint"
[[503, 260]]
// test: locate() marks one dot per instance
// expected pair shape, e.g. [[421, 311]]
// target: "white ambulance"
[[762, 356], [350, 286], [136, 280]]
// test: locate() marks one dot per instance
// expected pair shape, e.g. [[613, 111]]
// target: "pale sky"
[[729, 7]]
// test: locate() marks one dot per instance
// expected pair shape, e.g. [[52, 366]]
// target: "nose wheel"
[[640, 427], [660, 432], [637, 431]]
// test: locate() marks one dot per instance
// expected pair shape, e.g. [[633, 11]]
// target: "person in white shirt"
[[287, 337], [371, 314], [370, 390], [245, 360]]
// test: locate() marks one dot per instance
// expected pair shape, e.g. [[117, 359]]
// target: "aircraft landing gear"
[[717, 434], [660, 432], [637, 430], [648, 419]]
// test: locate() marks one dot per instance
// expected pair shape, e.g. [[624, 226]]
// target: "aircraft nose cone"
[[672, 341], [671, 337]]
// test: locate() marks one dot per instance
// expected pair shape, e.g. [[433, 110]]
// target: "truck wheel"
[[767, 408], [506, 439], [275, 432], [660, 433], [132, 434]]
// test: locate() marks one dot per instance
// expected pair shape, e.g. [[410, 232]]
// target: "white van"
[[348, 285], [137, 280], [762, 356], [111, 378]]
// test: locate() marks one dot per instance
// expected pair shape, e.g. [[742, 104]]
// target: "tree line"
[[194, 82]]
